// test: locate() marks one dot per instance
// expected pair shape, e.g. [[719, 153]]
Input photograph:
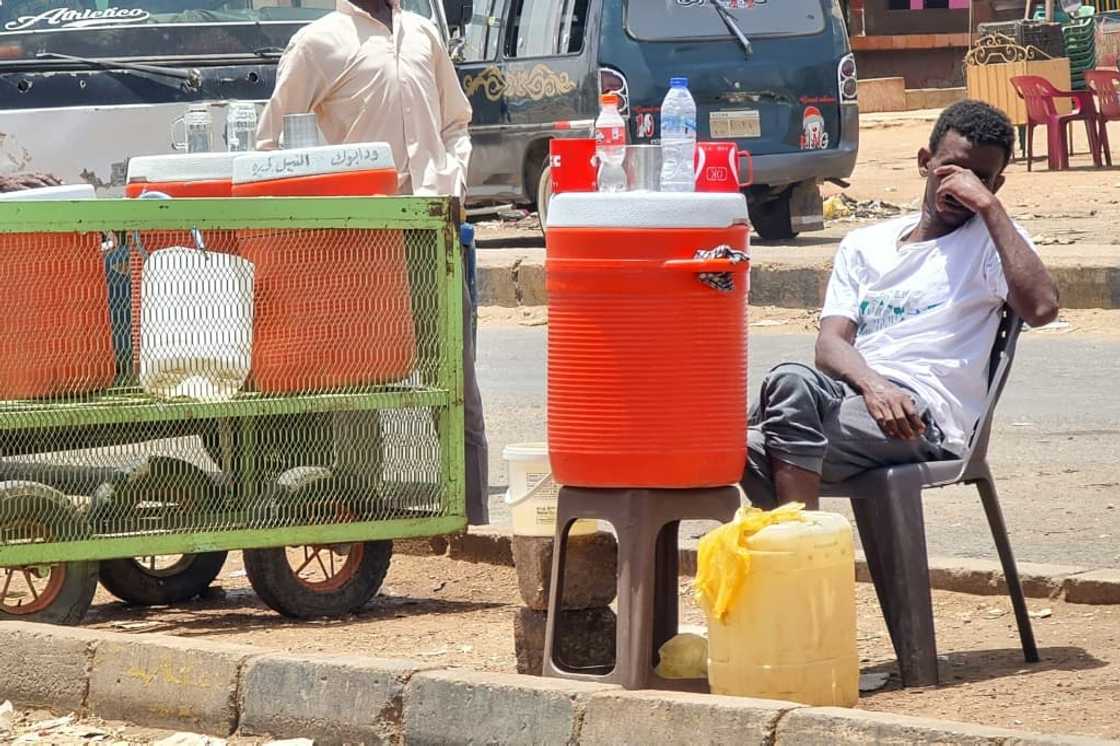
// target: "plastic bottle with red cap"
[[610, 135]]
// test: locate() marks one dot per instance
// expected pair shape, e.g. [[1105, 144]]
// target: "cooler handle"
[[705, 265]]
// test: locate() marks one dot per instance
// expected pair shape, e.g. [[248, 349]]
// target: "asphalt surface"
[[1055, 448]]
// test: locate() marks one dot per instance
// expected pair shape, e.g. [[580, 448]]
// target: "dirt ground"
[[460, 614]]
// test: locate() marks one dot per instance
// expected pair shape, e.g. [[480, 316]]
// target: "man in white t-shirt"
[[907, 328]]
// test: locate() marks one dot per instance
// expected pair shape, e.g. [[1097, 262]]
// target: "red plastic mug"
[[717, 167], [574, 165]]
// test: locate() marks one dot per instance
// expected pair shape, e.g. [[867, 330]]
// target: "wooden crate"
[[992, 84]]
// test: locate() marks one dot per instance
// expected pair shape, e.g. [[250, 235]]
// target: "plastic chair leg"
[[1093, 133], [1106, 149], [990, 500], [897, 528], [1056, 144], [1030, 147], [876, 563]]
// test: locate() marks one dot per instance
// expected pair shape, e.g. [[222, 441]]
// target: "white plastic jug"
[[533, 494], [196, 324]]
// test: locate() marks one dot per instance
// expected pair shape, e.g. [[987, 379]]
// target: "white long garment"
[[368, 83], [926, 313]]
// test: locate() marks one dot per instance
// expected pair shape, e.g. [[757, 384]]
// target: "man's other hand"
[[20, 182], [962, 188], [893, 409]]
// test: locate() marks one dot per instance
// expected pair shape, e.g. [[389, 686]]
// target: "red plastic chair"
[[1106, 84], [1039, 94]]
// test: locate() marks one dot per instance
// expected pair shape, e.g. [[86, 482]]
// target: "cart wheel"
[[56, 594], [163, 580], [322, 580]]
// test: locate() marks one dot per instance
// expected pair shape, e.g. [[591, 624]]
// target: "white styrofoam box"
[[325, 159], [179, 167], [66, 191]]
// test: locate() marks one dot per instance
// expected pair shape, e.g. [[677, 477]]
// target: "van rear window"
[[663, 20]]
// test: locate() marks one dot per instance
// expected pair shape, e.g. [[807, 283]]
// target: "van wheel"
[[161, 581], [544, 192], [771, 218]]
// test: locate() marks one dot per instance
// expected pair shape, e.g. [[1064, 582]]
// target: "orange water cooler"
[[55, 332], [333, 309], [183, 175], [647, 363]]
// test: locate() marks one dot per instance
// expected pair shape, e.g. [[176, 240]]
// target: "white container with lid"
[[533, 494]]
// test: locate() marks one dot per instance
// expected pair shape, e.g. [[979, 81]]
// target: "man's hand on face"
[[962, 188], [893, 410], [20, 182]]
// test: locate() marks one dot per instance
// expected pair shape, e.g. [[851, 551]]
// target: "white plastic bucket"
[[532, 492], [196, 324]]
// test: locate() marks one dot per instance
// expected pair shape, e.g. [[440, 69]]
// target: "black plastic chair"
[[887, 504]]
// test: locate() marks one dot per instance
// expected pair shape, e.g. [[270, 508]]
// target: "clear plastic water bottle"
[[678, 138], [610, 134]]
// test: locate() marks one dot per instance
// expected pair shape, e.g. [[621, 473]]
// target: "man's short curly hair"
[[977, 122]]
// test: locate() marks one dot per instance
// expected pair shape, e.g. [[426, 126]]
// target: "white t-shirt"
[[927, 313]]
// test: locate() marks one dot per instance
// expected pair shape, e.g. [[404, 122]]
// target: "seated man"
[[907, 328]]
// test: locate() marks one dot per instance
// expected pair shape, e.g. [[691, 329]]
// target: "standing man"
[[375, 73]]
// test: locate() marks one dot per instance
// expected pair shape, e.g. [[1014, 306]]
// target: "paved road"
[[1055, 450]]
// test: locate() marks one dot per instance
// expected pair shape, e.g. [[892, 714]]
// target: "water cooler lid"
[[180, 167], [647, 210], [66, 191], [318, 161]]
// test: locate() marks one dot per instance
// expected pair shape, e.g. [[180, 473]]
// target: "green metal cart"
[[104, 478]]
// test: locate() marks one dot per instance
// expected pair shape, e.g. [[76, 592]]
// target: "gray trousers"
[[477, 451], [807, 419]]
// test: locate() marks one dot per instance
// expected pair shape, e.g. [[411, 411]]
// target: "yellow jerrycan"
[[779, 592]]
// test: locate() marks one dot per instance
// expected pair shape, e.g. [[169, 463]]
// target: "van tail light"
[[612, 81], [846, 80]]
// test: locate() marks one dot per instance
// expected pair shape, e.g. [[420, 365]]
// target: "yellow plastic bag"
[[723, 561], [684, 657]]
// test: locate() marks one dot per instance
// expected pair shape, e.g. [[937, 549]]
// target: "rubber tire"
[[544, 191], [272, 578], [126, 580], [76, 594], [771, 219]]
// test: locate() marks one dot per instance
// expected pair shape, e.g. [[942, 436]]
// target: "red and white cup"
[[575, 168], [717, 167]]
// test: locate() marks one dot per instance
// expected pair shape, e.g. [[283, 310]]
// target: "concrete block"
[[332, 700], [833, 726], [1039, 739], [45, 666], [587, 638], [482, 546], [167, 682], [882, 94], [495, 286], [531, 289], [1095, 587], [590, 574], [671, 717], [467, 707]]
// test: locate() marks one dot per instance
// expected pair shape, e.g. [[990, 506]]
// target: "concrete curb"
[[1079, 585], [159, 681], [520, 282]]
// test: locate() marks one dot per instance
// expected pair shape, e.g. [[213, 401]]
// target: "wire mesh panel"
[[198, 375]]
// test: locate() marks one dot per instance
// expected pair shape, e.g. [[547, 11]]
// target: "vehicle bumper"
[[791, 168]]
